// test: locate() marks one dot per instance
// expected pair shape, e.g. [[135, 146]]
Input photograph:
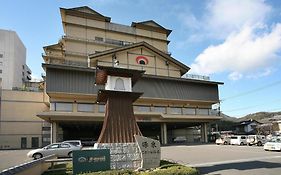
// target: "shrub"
[[173, 170], [166, 168]]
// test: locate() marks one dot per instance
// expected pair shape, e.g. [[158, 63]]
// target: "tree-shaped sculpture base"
[[119, 125]]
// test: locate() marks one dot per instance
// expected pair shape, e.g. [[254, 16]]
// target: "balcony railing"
[[99, 40], [66, 62], [138, 108], [197, 77]]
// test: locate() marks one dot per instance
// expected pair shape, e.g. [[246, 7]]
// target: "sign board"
[[150, 152], [90, 160]]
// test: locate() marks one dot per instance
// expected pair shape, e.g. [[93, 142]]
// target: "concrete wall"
[[13, 60], [18, 118]]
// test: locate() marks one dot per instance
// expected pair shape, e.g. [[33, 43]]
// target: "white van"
[[258, 140], [238, 140]]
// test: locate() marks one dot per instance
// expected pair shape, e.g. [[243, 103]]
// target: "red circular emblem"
[[142, 60]]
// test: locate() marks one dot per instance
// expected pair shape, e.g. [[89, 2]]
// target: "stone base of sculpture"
[[122, 155]]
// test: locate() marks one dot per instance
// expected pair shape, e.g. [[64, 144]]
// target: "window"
[[202, 111], [52, 106], [0, 71], [99, 38], [142, 62], [63, 145], [176, 110], [85, 107], [63, 107], [54, 146], [1, 55], [115, 42], [143, 108], [45, 139], [188, 111], [160, 109], [1, 63], [101, 108]]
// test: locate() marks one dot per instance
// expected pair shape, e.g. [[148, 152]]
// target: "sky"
[[236, 42]]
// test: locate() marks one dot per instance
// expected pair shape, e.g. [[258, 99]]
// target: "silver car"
[[59, 149]]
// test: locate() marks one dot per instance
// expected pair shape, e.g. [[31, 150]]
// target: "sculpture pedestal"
[[119, 124], [122, 155]]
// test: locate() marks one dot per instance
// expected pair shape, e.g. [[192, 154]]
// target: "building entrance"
[[87, 132]]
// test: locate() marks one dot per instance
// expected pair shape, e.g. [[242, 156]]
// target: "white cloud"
[[36, 78], [235, 76], [241, 52], [264, 73], [249, 47], [224, 17]]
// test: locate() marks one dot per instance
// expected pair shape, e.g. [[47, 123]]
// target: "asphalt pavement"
[[209, 159], [226, 159]]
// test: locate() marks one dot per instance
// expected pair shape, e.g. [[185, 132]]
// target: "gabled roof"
[[183, 67], [151, 25], [86, 12], [53, 46], [247, 122]]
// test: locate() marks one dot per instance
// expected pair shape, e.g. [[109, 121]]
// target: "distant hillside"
[[259, 116], [228, 118]]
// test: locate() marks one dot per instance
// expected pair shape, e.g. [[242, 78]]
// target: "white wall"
[[14, 57]]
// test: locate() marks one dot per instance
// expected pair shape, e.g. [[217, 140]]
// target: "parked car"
[[180, 139], [238, 140], [258, 140], [74, 142], [223, 140], [59, 149], [273, 145]]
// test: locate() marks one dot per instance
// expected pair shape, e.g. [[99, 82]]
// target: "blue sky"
[[237, 42]]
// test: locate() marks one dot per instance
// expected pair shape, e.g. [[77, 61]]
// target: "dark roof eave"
[[167, 31], [68, 67], [105, 18]]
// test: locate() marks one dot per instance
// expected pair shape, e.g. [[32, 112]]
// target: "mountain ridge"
[[258, 116]]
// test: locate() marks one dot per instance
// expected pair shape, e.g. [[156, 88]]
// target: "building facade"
[[13, 69], [171, 107], [20, 128]]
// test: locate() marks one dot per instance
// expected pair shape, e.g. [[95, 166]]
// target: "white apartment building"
[[13, 69]]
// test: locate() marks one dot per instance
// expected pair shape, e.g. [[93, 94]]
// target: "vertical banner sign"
[[90, 161]]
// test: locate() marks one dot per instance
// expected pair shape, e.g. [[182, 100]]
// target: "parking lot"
[[11, 158], [226, 159], [209, 159]]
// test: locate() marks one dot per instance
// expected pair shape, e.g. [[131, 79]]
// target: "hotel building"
[[172, 108]]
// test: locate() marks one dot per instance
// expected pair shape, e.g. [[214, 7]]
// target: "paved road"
[[226, 159], [10, 158], [209, 159]]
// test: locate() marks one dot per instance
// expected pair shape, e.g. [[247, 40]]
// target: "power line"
[[252, 91], [253, 106]]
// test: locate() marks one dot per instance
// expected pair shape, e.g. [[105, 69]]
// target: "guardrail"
[[53, 161], [34, 167]]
